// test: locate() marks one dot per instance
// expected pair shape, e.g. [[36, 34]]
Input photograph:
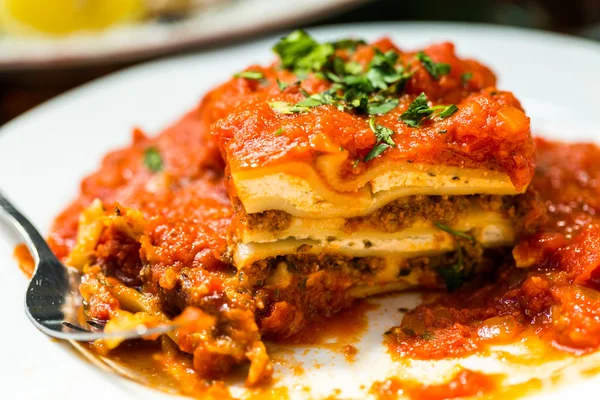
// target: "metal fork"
[[53, 301]]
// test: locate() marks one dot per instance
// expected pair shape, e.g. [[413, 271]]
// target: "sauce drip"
[[24, 259]]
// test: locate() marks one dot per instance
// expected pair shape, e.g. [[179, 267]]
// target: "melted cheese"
[[489, 229], [319, 228], [318, 192]]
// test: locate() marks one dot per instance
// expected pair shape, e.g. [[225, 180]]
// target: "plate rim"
[[131, 53], [27, 117], [320, 29]]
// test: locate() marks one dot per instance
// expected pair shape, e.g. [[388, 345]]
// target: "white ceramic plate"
[[45, 153], [224, 20]]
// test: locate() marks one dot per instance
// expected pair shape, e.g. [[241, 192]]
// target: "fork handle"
[[34, 240]]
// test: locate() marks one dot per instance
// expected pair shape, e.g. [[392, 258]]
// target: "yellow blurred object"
[[61, 17]]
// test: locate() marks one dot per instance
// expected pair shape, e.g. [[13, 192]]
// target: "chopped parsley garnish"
[[382, 107], [152, 159], [454, 232], [282, 85], [348, 43], [384, 139], [303, 105], [301, 53], [310, 102], [454, 275], [448, 111], [382, 70], [416, 112], [419, 111], [352, 68], [279, 132], [466, 77], [283, 107], [372, 89], [367, 90], [427, 335], [254, 75], [436, 70]]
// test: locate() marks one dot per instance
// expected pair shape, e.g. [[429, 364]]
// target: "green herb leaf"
[[427, 335], [283, 107], [371, 90], [356, 99], [254, 75], [279, 132], [376, 151], [466, 77], [300, 52], [384, 139], [382, 107], [294, 46], [382, 70], [348, 44], [453, 276], [353, 68], [417, 111], [316, 59], [448, 111], [454, 232], [309, 102], [383, 134], [152, 159], [282, 85], [436, 70]]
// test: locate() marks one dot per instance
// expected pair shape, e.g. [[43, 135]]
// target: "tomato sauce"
[[551, 292], [248, 139], [464, 384], [336, 332], [555, 298], [24, 259], [187, 206]]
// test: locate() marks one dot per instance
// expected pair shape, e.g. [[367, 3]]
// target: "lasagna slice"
[[358, 169]]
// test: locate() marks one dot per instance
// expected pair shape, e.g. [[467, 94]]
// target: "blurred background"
[[50, 46]]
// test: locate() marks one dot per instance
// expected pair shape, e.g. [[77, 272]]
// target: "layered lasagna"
[[358, 169], [341, 171]]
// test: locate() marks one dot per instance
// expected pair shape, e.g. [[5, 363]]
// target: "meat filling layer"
[[404, 212]]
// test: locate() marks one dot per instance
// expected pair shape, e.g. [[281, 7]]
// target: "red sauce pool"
[[555, 297]]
